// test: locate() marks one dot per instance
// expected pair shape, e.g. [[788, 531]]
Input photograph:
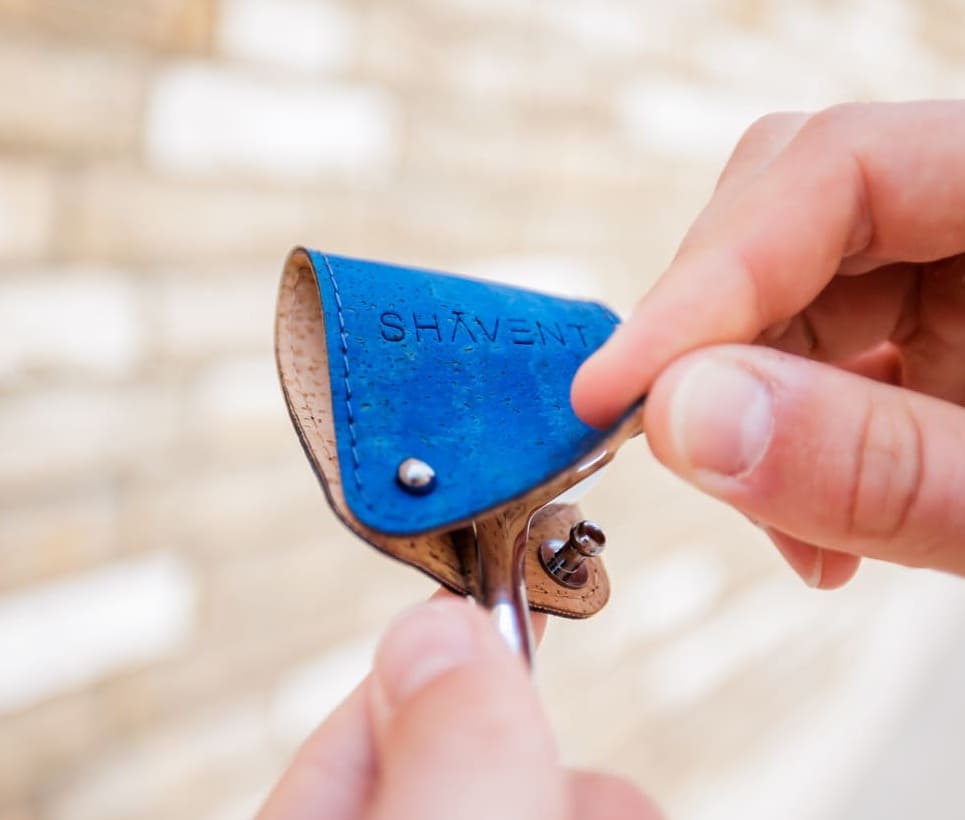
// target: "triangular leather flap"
[[469, 377]]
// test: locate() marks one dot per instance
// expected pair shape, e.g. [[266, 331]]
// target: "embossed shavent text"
[[464, 327]]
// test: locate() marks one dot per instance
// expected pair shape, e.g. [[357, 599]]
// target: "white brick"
[[86, 319], [152, 770], [509, 12], [680, 119], [26, 211], [204, 119], [198, 317], [239, 394], [491, 68], [57, 535], [690, 669], [60, 635], [309, 35], [71, 431], [500, 139], [120, 212], [865, 663], [680, 589], [65, 99], [602, 31], [227, 512], [240, 806], [544, 272], [158, 25], [889, 61], [290, 571], [236, 410], [607, 30], [310, 693]]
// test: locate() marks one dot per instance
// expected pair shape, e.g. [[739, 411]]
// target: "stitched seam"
[[301, 390], [291, 352], [353, 441], [289, 349]]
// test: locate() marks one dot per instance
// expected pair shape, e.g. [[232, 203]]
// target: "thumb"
[[827, 457], [458, 729]]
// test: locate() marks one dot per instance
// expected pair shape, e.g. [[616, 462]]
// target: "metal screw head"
[[587, 538], [416, 477], [565, 561]]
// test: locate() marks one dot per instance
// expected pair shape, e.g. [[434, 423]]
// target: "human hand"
[[448, 726], [837, 237]]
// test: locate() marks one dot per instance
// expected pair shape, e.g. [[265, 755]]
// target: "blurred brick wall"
[[177, 605]]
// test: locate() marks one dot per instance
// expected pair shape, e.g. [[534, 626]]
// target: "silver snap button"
[[416, 477]]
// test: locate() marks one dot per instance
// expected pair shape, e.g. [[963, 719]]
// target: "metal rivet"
[[565, 561], [416, 477]]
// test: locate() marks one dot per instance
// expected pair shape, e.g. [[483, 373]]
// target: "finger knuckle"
[[831, 124], [774, 121], [765, 129], [888, 467]]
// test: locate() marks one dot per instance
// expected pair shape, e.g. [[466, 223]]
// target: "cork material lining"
[[302, 360]]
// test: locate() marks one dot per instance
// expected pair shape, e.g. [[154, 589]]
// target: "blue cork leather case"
[[470, 377]]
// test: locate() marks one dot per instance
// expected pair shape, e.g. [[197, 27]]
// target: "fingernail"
[[805, 559], [721, 417], [422, 644]]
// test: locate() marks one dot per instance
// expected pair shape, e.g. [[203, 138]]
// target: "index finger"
[[882, 181]]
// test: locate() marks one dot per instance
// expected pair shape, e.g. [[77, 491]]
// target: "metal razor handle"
[[500, 563]]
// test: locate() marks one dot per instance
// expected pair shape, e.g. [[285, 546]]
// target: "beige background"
[[178, 606]]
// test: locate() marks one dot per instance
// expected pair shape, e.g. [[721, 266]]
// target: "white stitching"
[[348, 386]]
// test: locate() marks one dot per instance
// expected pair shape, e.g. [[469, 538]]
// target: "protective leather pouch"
[[381, 364]]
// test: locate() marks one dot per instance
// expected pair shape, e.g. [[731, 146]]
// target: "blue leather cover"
[[471, 377]]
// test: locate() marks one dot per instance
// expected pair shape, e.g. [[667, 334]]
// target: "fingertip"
[[805, 559], [838, 569], [617, 374], [469, 732], [818, 567], [592, 394], [664, 324], [422, 644], [601, 796]]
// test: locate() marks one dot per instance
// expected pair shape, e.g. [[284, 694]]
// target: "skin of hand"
[[447, 726], [802, 356]]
